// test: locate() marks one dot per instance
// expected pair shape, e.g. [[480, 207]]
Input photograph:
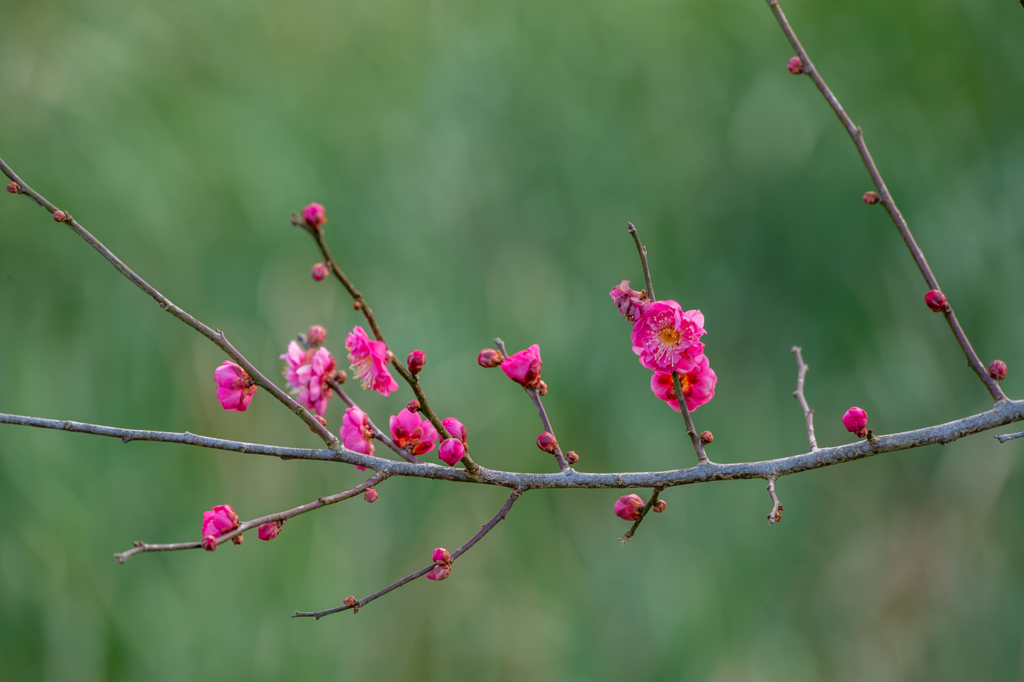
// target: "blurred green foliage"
[[479, 162]]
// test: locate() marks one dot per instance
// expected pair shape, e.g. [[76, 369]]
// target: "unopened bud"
[[706, 437], [416, 360], [60, 216], [572, 457], [357, 305], [341, 376], [441, 556], [323, 422], [659, 506], [936, 300], [13, 187], [350, 601], [314, 215], [628, 507], [370, 495], [389, 357], [997, 370], [795, 65], [320, 272], [871, 198], [440, 572], [413, 406], [490, 357], [209, 543], [238, 539], [546, 442], [316, 336], [856, 421], [542, 389]]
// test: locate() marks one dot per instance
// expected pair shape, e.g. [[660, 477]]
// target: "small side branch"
[[801, 373], [691, 430], [355, 606], [642, 250], [256, 523], [643, 513], [1009, 436], [776, 513]]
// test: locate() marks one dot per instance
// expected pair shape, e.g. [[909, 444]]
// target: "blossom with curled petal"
[[294, 358], [235, 387], [631, 303], [356, 434], [667, 338], [216, 522], [698, 386], [524, 367], [313, 378], [409, 431], [369, 360]]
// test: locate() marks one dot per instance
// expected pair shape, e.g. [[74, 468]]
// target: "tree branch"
[[691, 430], [801, 373], [377, 433], [857, 136], [1009, 436], [775, 515], [484, 530]]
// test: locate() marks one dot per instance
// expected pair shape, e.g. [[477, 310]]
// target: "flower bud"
[[572, 457], [936, 300], [706, 437], [871, 198], [997, 370], [546, 442], [350, 601], [320, 272], [370, 495], [323, 422], [441, 556], [489, 358], [542, 389], [238, 539], [341, 376], [209, 543], [856, 421], [13, 187], [659, 506], [416, 360], [316, 336], [440, 572], [269, 531], [60, 216], [451, 451], [413, 406], [357, 305], [628, 507], [314, 215], [795, 65]]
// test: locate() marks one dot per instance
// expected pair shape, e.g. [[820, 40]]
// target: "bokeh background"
[[479, 162]]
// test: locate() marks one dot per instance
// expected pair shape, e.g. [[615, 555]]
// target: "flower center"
[[669, 336]]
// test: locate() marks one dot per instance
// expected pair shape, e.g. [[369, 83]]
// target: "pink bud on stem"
[[489, 357], [628, 507], [659, 506], [60, 216], [871, 198], [546, 442], [314, 215], [936, 301], [416, 360], [997, 370], [316, 336], [413, 406], [795, 65], [571, 457], [319, 272], [370, 495], [13, 187], [856, 421]]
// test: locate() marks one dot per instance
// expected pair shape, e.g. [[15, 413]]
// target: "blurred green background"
[[479, 162]]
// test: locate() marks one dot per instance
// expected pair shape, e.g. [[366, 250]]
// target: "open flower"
[[631, 303], [356, 434], [295, 358], [313, 378], [524, 367], [235, 387], [216, 522], [698, 386], [369, 360], [410, 432], [667, 339]]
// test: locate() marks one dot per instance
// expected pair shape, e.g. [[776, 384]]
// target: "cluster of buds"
[[453, 449], [442, 564]]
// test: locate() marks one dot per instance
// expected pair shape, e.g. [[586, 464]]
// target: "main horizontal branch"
[[1003, 413]]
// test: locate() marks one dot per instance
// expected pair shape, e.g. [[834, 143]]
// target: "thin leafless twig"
[[642, 250], [801, 373], [775, 515], [643, 513], [1009, 436]]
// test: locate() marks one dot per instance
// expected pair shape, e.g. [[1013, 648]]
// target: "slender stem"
[[256, 523], [643, 513], [801, 373], [214, 335], [775, 515], [484, 530], [642, 250], [1009, 436], [377, 433], [857, 136], [691, 430]]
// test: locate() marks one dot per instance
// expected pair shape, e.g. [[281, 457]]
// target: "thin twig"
[[642, 250], [643, 513], [535, 397], [256, 523], [1009, 436], [691, 430], [214, 335], [484, 530], [801, 373], [776, 513], [857, 136]]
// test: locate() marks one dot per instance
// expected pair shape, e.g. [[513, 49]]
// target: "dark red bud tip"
[[490, 357], [706, 437], [416, 360], [320, 272], [370, 495], [546, 442], [542, 389], [659, 506], [13, 187], [60, 216], [795, 65], [936, 301], [350, 601], [209, 543], [572, 457], [871, 198], [997, 370], [413, 406], [316, 336], [238, 539]]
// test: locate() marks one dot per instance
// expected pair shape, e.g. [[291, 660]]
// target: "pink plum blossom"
[[314, 215], [667, 339], [313, 378], [631, 303], [411, 432], [216, 522], [370, 495], [698, 386], [269, 531], [628, 507], [524, 367], [235, 387], [451, 451], [369, 360], [856, 421], [295, 358], [356, 434], [441, 556]]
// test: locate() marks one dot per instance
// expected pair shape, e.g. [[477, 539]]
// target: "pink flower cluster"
[[453, 449], [216, 522], [235, 387], [369, 360], [308, 373], [442, 564]]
